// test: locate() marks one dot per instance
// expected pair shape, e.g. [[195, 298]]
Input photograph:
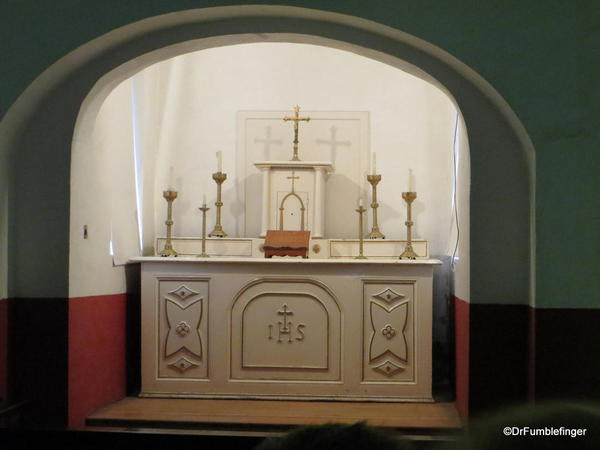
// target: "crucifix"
[[296, 119]]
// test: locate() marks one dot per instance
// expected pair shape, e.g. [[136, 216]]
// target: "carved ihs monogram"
[[285, 328]]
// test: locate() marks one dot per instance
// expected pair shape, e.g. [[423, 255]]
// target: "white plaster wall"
[[412, 125], [462, 232], [151, 92], [102, 197]]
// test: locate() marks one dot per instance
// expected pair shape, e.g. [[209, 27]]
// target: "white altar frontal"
[[239, 327]]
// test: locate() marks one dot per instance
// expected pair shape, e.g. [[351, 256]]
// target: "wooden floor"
[[191, 413]]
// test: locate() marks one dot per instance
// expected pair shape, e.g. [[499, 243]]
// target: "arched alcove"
[[172, 116], [37, 132]]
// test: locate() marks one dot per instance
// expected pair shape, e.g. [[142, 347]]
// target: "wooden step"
[[263, 414]]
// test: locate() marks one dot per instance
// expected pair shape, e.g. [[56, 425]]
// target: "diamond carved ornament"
[[182, 293], [388, 368], [183, 364], [389, 296]]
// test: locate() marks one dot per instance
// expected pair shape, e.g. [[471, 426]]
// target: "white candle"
[[203, 199], [360, 202], [374, 163], [219, 161], [170, 188], [411, 181]]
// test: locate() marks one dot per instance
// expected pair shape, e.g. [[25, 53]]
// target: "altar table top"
[[234, 260]]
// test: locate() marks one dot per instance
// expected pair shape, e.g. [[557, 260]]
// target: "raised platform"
[[260, 414]]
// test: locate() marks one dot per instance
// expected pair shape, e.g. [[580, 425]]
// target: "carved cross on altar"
[[286, 324], [296, 119], [285, 313]]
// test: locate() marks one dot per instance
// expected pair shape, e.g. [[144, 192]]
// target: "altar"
[[241, 317], [238, 327]]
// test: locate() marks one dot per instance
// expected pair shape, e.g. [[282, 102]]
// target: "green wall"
[[537, 54]]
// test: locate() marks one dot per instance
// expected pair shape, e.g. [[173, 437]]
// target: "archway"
[[38, 130]]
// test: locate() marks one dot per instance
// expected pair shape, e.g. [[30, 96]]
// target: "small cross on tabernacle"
[[293, 178]]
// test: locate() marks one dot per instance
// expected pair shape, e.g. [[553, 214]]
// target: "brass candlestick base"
[[219, 178], [170, 197], [360, 212], [203, 209], [408, 252], [375, 233]]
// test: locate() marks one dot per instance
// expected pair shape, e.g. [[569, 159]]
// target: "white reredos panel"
[[337, 137]]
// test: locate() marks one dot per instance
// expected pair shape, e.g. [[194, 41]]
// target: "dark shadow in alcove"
[[443, 363], [133, 349]]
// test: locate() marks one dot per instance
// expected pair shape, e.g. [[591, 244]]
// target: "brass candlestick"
[[360, 212], [219, 178], [375, 233], [408, 252], [203, 209], [169, 196]]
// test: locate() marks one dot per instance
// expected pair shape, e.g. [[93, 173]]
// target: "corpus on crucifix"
[[296, 119]]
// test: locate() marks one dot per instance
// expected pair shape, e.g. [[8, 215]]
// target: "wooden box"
[[286, 243]]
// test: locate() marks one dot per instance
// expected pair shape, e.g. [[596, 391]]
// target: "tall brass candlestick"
[[203, 209], [169, 196], [408, 252], [375, 233], [219, 178], [360, 212]]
